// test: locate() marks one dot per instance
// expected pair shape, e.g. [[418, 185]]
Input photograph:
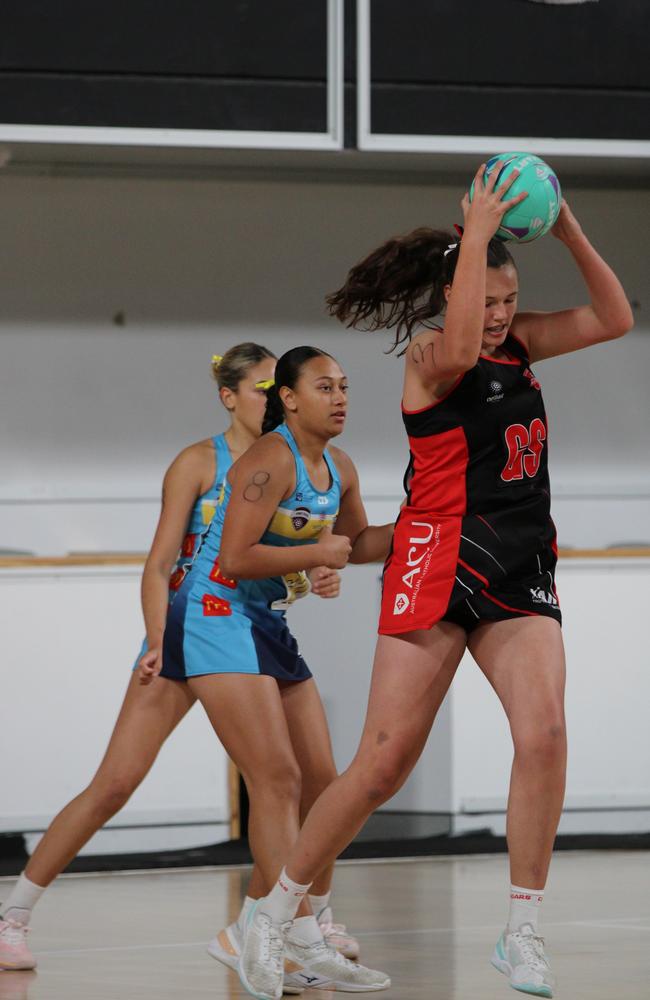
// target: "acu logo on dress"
[[401, 604]]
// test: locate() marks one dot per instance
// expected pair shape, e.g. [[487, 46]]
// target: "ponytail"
[[401, 285], [274, 413]]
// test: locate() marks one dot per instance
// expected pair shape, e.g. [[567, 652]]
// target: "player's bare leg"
[[524, 661]]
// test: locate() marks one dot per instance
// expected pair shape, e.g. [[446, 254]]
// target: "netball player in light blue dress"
[[153, 706], [290, 504]]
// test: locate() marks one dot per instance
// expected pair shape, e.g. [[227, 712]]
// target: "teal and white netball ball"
[[536, 214]]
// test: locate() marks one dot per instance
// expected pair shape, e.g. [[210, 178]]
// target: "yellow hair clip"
[[265, 385], [217, 359]]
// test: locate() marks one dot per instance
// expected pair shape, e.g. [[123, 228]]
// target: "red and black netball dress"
[[475, 541]]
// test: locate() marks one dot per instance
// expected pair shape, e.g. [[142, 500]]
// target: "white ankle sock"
[[525, 906], [318, 903], [22, 900], [243, 913], [306, 929], [285, 897]]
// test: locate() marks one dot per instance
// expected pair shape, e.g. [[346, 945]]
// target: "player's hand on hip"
[[489, 203], [334, 550], [150, 665], [325, 582]]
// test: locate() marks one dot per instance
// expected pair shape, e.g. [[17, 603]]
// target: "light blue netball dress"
[[221, 626], [200, 520]]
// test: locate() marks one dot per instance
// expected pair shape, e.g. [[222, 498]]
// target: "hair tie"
[[216, 360], [454, 246], [266, 385]]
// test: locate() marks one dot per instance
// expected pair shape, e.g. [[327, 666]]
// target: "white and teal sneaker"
[[226, 948], [319, 966], [261, 961], [520, 956]]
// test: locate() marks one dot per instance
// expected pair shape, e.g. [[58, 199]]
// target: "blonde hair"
[[229, 370]]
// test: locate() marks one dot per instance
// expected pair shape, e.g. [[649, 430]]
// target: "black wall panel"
[[162, 102], [464, 67], [258, 38], [501, 42], [453, 67], [491, 111], [199, 64]]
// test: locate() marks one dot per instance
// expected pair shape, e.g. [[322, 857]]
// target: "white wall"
[[67, 684], [70, 638], [92, 412], [604, 607]]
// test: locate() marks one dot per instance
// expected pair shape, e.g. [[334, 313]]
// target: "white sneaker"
[[520, 955], [336, 935], [261, 961], [321, 967], [226, 948]]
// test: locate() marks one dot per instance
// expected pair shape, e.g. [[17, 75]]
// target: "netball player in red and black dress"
[[474, 548]]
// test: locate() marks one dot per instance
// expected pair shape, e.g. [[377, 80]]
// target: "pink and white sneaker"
[[14, 953], [336, 935]]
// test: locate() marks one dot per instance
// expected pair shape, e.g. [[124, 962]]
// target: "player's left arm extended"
[[607, 317], [370, 542]]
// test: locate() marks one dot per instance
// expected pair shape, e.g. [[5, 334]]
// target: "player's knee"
[[109, 795], [544, 744], [384, 777], [279, 780]]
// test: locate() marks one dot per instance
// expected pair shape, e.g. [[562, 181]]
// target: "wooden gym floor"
[[431, 924]]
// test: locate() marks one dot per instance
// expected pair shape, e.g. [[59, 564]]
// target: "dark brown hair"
[[287, 372], [401, 285]]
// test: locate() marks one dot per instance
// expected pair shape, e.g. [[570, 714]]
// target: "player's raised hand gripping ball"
[[534, 216]]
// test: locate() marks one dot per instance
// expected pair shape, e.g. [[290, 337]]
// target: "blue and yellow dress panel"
[[200, 520], [217, 625]]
